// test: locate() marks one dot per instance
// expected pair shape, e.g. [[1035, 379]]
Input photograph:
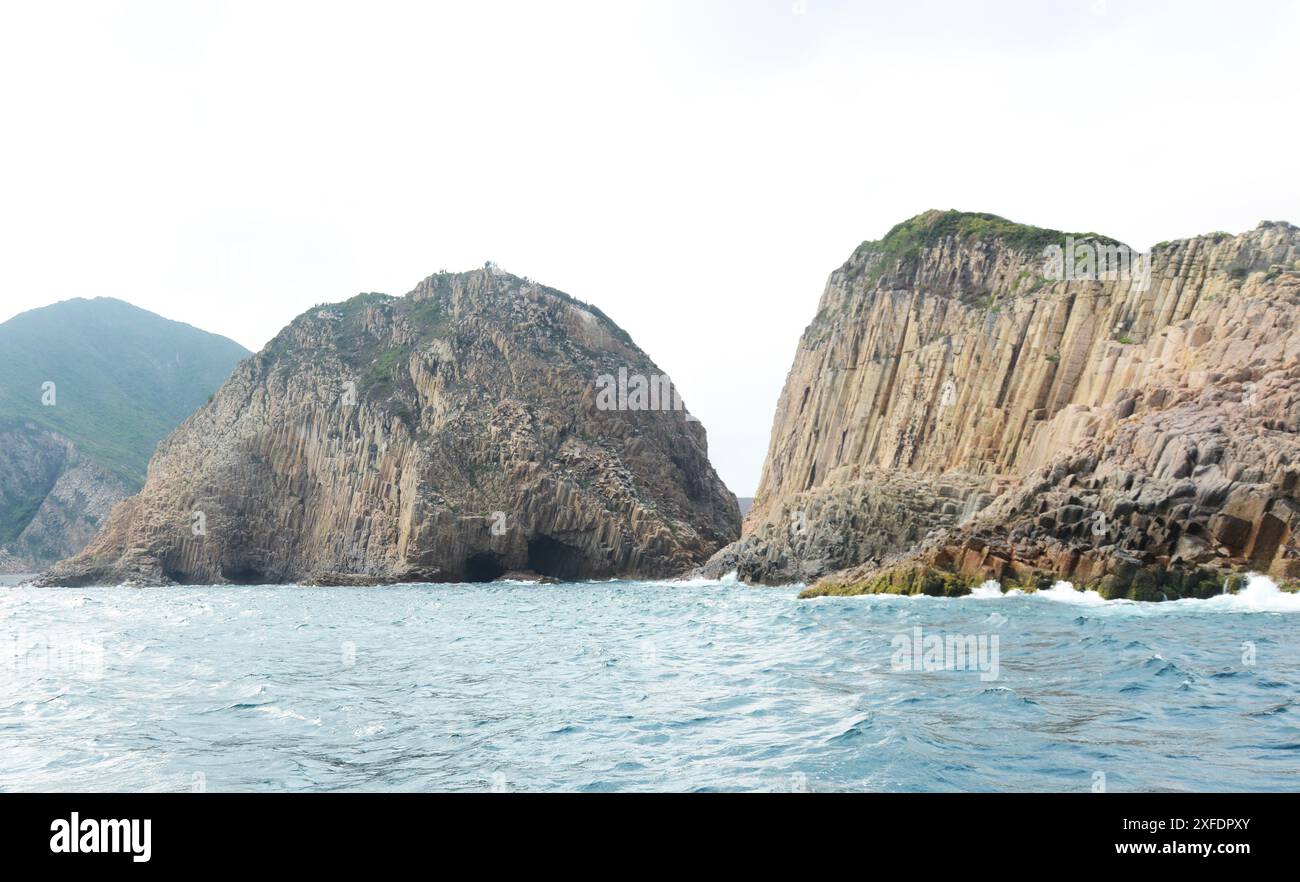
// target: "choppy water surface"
[[639, 686]]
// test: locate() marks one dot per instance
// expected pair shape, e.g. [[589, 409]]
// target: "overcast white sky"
[[696, 169]]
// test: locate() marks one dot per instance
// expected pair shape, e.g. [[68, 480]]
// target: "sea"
[[644, 686]]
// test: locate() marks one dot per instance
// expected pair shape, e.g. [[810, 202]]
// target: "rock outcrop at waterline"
[[954, 415], [452, 434]]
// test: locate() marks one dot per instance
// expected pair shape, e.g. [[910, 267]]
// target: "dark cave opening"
[[171, 573], [553, 558], [243, 575], [483, 567]]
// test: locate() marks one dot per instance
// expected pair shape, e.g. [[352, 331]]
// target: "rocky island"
[[961, 410], [449, 435]]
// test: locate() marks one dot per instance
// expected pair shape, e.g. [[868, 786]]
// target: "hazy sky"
[[695, 169]]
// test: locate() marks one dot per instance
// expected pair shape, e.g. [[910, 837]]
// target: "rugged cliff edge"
[[958, 412], [452, 434]]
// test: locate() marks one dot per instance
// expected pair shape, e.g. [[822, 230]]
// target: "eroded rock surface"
[[52, 497], [452, 434], [1135, 437]]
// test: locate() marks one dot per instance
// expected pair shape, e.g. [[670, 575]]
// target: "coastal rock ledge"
[[956, 412], [449, 435]]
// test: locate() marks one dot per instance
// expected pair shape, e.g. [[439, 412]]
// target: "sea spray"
[[1065, 592], [1260, 594], [987, 590]]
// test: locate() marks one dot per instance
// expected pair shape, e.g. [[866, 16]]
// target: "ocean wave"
[[281, 713], [724, 685], [1261, 594], [730, 579], [992, 590], [1065, 592]]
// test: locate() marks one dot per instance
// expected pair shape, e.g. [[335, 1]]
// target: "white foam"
[[987, 590], [1261, 594], [729, 579], [285, 714], [1065, 592]]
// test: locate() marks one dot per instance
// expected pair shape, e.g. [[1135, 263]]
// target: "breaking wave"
[[1065, 592], [728, 579], [1260, 594], [989, 590]]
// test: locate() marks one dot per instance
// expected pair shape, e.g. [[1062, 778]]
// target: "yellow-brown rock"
[[452, 434], [1137, 435]]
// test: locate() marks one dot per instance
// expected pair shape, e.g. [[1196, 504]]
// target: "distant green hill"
[[123, 377]]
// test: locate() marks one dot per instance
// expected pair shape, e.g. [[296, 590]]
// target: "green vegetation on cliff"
[[929, 228], [900, 249]]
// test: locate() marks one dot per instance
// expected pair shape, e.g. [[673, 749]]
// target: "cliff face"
[[955, 413], [453, 434], [53, 497]]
